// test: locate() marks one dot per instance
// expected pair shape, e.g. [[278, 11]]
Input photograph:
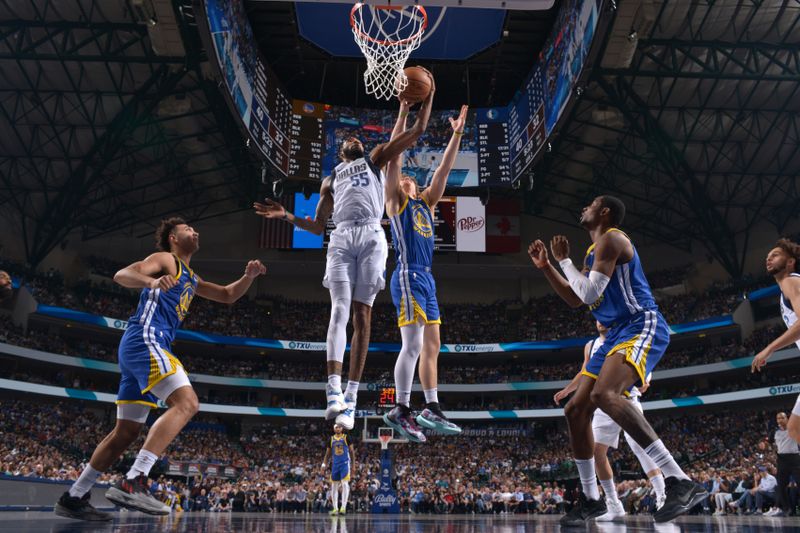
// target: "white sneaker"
[[614, 511], [346, 418], [335, 402], [772, 512]]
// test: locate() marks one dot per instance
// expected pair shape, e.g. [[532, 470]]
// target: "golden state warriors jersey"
[[627, 293], [340, 451], [412, 232], [163, 311]]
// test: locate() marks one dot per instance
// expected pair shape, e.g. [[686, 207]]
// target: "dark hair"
[[163, 232], [616, 207], [791, 248]]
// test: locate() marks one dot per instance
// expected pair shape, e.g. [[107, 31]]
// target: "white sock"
[[663, 459], [407, 362], [85, 482], [345, 494], [432, 395], [335, 382], [351, 394], [610, 489], [142, 465], [658, 485], [588, 478], [336, 342], [335, 494]]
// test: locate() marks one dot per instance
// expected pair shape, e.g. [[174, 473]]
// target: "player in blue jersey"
[[413, 288], [614, 287], [149, 371], [342, 458]]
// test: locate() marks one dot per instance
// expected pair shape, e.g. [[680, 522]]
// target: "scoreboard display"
[[526, 123], [386, 398], [255, 93], [494, 165], [308, 140]]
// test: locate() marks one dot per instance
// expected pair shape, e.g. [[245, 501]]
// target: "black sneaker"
[[432, 417], [134, 494], [401, 419], [583, 511], [682, 495], [80, 508]]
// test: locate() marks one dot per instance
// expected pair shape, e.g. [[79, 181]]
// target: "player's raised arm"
[[227, 294], [434, 193], [156, 271], [538, 254], [608, 249], [395, 166], [274, 210], [791, 290], [384, 153]]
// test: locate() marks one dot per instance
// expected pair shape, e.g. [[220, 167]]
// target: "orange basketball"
[[419, 85]]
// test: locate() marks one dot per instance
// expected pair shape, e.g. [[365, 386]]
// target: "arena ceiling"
[[690, 114]]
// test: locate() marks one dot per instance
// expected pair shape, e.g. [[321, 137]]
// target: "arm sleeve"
[[587, 289]]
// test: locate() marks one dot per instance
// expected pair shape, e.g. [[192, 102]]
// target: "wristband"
[[403, 114], [458, 133]]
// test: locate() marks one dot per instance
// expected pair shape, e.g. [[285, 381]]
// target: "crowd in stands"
[[278, 467], [544, 318]]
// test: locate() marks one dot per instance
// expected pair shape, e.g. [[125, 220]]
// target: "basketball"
[[419, 85]]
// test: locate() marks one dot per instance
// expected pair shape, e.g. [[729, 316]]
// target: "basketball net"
[[386, 36], [385, 440]]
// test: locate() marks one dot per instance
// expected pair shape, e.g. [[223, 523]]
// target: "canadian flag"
[[502, 226]]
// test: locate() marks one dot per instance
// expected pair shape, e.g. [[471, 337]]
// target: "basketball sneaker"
[[682, 495], [615, 511], [432, 417], [346, 418], [79, 508], [342, 511], [335, 402], [583, 511], [133, 494], [333, 512], [401, 419]]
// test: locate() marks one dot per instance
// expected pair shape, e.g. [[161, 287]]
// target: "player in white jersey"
[[782, 263], [606, 435], [356, 260]]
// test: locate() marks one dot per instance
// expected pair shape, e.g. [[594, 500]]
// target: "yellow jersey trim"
[[156, 376], [403, 207], [591, 247], [626, 348], [140, 402], [587, 373], [418, 314]]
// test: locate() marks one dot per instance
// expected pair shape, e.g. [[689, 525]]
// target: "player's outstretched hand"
[[254, 269], [458, 124], [760, 360], [559, 245], [538, 252], [560, 395], [164, 283], [269, 209]]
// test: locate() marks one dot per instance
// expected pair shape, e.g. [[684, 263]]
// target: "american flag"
[[277, 233]]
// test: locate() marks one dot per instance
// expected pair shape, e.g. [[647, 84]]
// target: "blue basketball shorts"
[[144, 361], [414, 296], [643, 340]]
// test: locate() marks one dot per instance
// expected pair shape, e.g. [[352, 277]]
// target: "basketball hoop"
[[386, 36], [385, 435]]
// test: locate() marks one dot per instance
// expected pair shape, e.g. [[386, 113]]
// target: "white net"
[[386, 37]]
